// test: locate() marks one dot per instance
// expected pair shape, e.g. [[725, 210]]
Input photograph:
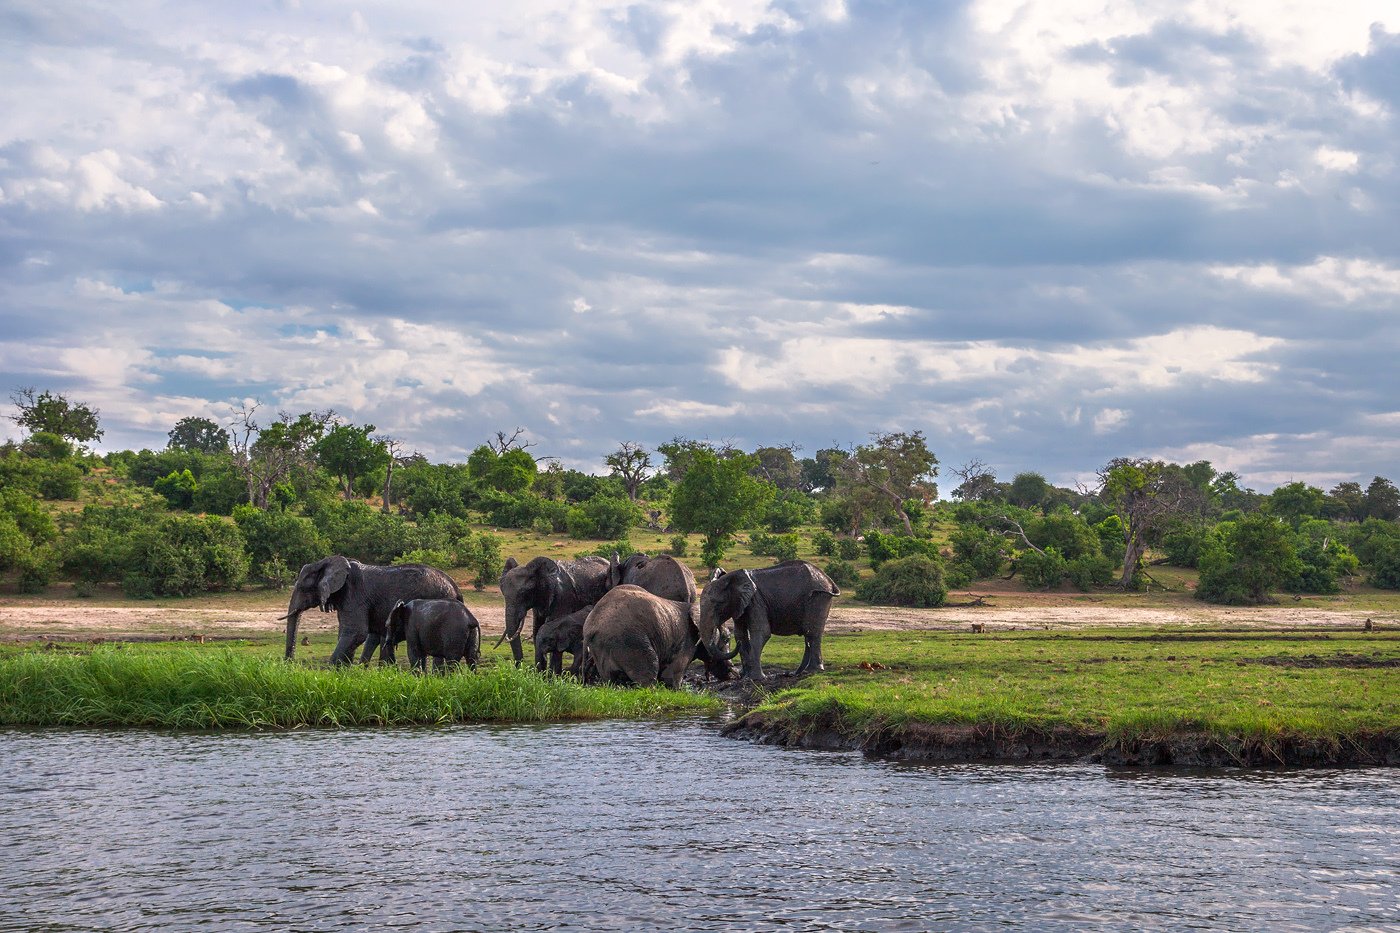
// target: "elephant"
[[636, 637], [362, 596], [663, 576], [444, 629], [549, 589], [791, 598], [558, 635]]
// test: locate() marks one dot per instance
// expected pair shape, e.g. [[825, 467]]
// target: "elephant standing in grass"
[[548, 589], [362, 596], [791, 598], [442, 629], [636, 637], [558, 635], [662, 576]]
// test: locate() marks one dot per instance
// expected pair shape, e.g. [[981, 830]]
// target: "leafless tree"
[[630, 463], [395, 449], [503, 442]]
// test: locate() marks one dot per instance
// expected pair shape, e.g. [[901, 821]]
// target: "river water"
[[663, 826]]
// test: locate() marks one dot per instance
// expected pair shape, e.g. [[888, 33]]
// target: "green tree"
[[1345, 502], [716, 498], [818, 472], [199, 434], [51, 412], [510, 472], [1294, 502], [896, 467], [348, 451], [1028, 491], [1382, 500], [1146, 496], [177, 488], [1249, 559], [779, 466]]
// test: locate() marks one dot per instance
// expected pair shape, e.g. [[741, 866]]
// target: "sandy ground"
[[63, 620]]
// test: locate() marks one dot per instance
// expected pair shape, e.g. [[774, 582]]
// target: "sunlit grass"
[[217, 688], [1125, 685]]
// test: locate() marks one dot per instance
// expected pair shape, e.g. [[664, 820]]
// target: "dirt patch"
[[1324, 660], [953, 618], [924, 742]]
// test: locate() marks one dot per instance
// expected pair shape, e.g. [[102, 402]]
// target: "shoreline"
[[928, 743]]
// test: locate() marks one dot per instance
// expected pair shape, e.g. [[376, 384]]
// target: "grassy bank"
[[1119, 688], [217, 688]]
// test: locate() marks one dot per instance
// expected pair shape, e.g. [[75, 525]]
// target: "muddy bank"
[[920, 742]]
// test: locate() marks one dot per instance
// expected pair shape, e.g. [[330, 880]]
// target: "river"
[[631, 826]]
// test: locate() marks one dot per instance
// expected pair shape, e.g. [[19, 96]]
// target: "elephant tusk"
[[498, 641]]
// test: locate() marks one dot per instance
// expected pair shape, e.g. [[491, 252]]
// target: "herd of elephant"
[[633, 621]]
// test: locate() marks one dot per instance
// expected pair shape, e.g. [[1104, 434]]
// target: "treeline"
[[219, 506]]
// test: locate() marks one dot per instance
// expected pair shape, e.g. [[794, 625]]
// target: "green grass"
[[1125, 684], [221, 688]]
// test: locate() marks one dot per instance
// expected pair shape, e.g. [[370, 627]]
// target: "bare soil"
[[252, 617]]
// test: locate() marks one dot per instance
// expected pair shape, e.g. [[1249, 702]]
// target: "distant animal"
[[362, 596], [442, 629], [977, 626], [791, 598]]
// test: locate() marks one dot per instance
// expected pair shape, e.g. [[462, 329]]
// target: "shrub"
[[278, 541], [1089, 571], [1385, 564], [482, 556], [603, 517], [680, 545], [1042, 571], [177, 488], [883, 547], [713, 548], [848, 549], [1110, 531], [1183, 544], [429, 556], [36, 569], [789, 509], [916, 581], [542, 526], [181, 555], [622, 547], [1252, 557], [781, 547], [1065, 532], [60, 480], [219, 492], [978, 550], [842, 572], [823, 543], [95, 548], [364, 533]]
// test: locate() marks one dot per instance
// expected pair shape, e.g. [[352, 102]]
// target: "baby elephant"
[[558, 636], [441, 628]]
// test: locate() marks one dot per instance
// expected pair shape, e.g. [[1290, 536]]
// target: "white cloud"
[[1328, 278]]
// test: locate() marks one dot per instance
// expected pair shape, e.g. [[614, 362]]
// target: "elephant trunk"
[[292, 619]]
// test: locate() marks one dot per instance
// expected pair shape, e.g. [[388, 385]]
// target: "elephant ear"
[[333, 579], [744, 592], [511, 564], [398, 616]]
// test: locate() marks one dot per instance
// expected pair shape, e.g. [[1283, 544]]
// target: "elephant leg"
[[814, 626], [345, 646], [516, 651], [371, 642], [758, 633], [556, 663], [439, 664], [672, 673]]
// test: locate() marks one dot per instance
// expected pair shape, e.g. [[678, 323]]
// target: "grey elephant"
[[558, 635], [662, 576], [636, 637], [361, 595], [443, 629], [548, 589], [791, 598]]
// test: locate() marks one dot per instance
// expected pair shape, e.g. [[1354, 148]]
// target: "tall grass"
[[197, 688]]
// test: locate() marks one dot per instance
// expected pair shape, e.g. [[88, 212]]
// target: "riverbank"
[[1130, 697]]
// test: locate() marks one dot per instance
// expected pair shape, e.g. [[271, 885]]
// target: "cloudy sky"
[[1046, 233]]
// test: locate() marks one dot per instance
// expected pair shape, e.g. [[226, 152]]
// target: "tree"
[[1028, 491], [897, 466], [349, 452], [1252, 557], [267, 456], [1294, 502], [503, 443], [51, 412], [632, 464], [1345, 502], [198, 434], [779, 466], [979, 483], [393, 456], [511, 471], [818, 472], [1382, 500], [1146, 496], [716, 498]]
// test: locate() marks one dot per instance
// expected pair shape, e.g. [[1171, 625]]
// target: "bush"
[[789, 509], [1183, 544], [1111, 531], [95, 548], [177, 488], [1042, 571], [181, 555], [433, 558], [823, 543], [36, 568], [60, 480], [680, 545], [1251, 557], [364, 533], [622, 547], [883, 547], [277, 542], [1385, 564], [1089, 571], [848, 549], [1065, 532], [219, 492], [836, 517], [842, 572], [482, 556], [978, 550], [916, 581], [780, 547], [603, 517]]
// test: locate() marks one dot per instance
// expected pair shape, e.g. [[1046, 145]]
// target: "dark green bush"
[[978, 550], [1089, 571], [848, 549], [1184, 542], [915, 581], [1385, 564], [680, 545], [843, 573], [1042, 571], [780, 547], [1065, 532], [356, 530], [882, 547], [177, 488], [1250, 558], [823, 543], [60, 480], [181, 555], [96, 546], [278, 542], [789, 509], [603, 517], [1111, 539]]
